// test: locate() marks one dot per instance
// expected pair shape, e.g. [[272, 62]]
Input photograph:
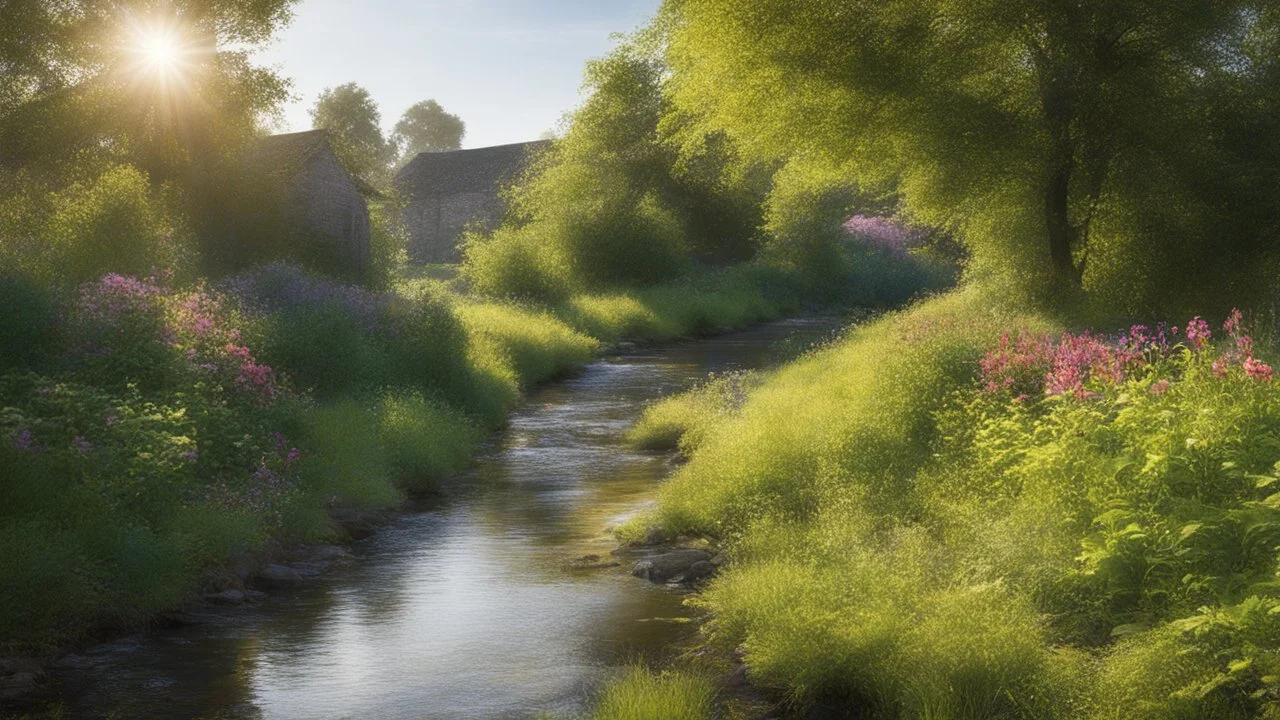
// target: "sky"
[[509, 68]]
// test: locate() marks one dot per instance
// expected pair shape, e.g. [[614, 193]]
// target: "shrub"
[[537, 344], [641, 694], [112, 223], [424, 441]]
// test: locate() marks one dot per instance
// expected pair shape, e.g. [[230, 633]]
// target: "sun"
[[159, 49]]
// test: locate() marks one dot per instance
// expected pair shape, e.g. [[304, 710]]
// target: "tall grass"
[[642, 694]]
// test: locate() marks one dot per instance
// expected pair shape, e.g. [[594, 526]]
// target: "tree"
[[1048, 133], [426, 127], [353, 120], [162, 86]]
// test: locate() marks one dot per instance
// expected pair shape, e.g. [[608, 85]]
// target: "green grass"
[[642, 694], [537, 345], [683, 421], [904, 541]]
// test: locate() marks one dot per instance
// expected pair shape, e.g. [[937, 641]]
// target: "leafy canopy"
[[427, 127], [352, 118], [1062, 140], [158, 85]]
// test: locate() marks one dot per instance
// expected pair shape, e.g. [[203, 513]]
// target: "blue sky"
[[509, 68]]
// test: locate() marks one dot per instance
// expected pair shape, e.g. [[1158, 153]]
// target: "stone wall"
[[436, 223], [333, 210]]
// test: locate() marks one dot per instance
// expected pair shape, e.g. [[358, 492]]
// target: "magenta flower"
[[1198, 332]]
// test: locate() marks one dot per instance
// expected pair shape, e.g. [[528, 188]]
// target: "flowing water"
[[464, 610]]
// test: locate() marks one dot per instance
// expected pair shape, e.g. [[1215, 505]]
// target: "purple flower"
[[112, 420], [81, 445], [191, 456], [292, 457], [23, 439]]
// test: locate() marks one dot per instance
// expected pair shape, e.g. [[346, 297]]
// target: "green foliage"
[[78, 91], [537, 345], [425, 441], [915, 542], [631, 195], [1104, 143], [29, 331], [642, 694], [686, 419], [114, 222], [426, 127], [355, 125]]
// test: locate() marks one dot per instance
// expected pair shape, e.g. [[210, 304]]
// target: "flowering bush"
[[1037, 365], [129, 330]]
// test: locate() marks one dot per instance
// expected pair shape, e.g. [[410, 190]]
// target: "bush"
[[640, 694], [113, 223], [424, 441], [537, 344]]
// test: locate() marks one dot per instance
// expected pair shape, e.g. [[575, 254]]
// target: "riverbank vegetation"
[[185, 381], [1046, 494]]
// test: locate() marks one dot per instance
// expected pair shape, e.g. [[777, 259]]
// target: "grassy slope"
[[905, 543]]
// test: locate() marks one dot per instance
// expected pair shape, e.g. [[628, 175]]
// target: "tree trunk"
[[1063, 236]]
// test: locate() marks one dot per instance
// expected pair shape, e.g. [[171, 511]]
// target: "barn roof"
[[284, 156], [459, 171]]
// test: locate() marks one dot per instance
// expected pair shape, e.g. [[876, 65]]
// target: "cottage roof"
[[284, 156], [459, 171]]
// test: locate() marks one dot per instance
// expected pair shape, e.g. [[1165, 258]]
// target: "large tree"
[[158, 85], [427, 127], [1048, 132], [351, 116]]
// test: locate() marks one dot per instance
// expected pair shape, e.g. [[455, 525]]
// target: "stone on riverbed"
[[697, 571], [661, 568], [281, 575]]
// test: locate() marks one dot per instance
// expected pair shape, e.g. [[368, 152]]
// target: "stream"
[[464, 609]]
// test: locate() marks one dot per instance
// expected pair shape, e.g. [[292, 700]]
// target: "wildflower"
[[1234, 322], [81, 445], [292, 457], [1244, 344], [1220, 368], [191, 456], [112, 420], [1198, 332], [24, 439], [1257, 369], [1160, 387]]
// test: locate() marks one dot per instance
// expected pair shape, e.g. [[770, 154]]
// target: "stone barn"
[[324, 204], [447, 192]]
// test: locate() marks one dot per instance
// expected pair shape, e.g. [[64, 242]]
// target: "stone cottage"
[[325, 205], [446, 192]]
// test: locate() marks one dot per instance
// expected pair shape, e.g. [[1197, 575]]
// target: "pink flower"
[[1160, 387], [1234, 322], [1257, 369], [1220, 368], [1198, 332]]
